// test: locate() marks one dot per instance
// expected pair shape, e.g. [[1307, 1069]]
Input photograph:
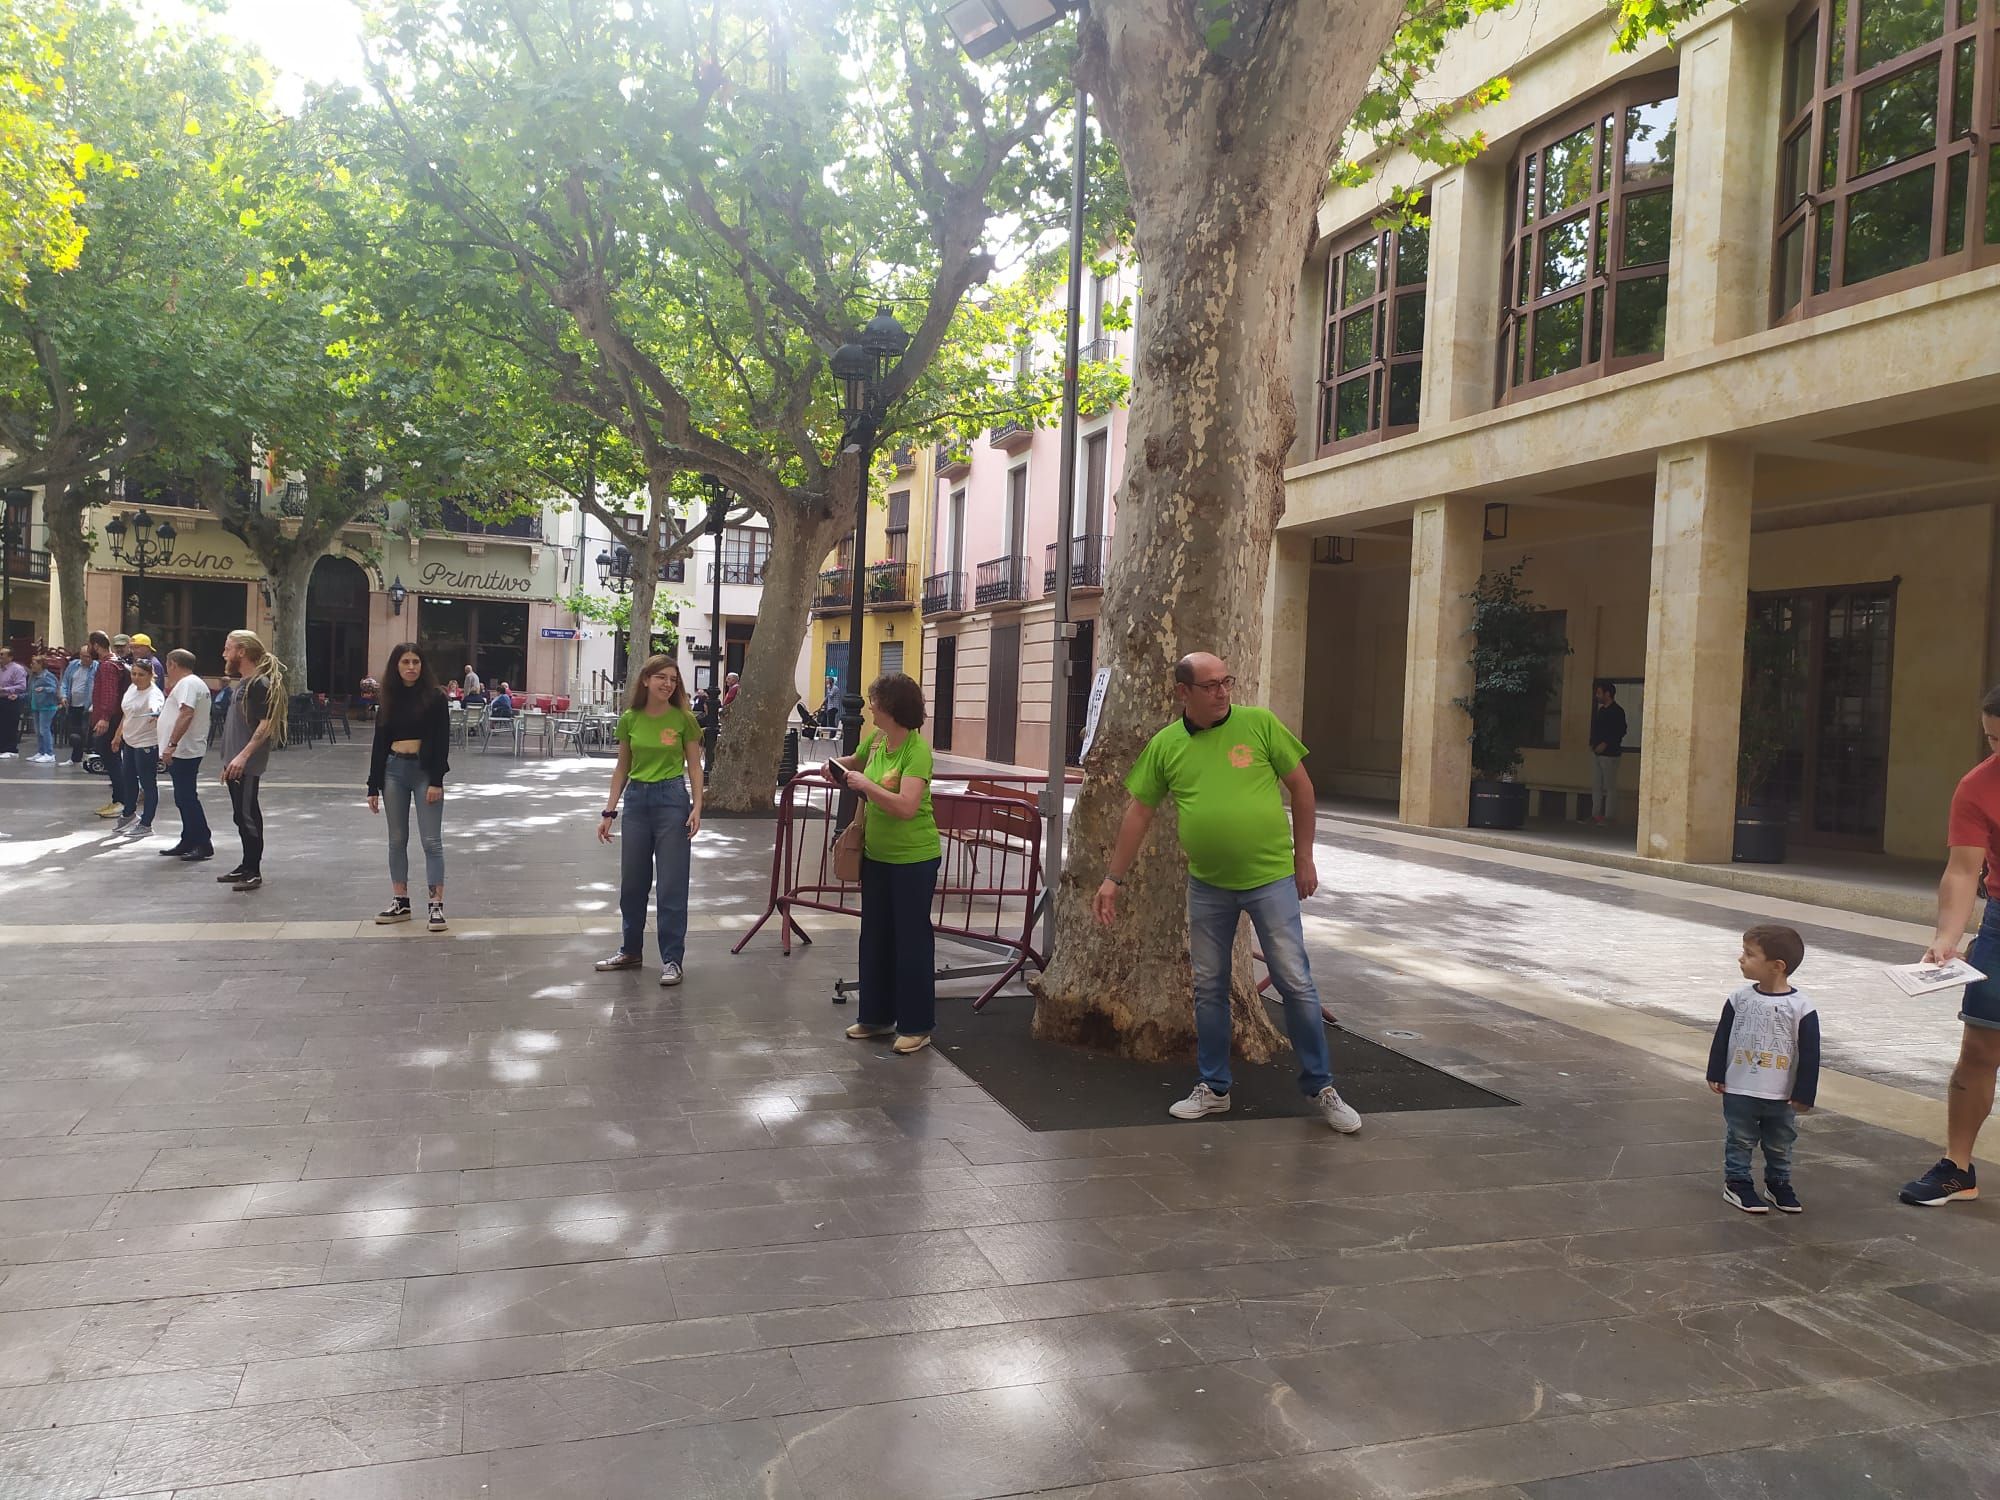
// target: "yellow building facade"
[[899, 518]]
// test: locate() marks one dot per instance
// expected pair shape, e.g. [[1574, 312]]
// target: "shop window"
[[1886, 174], [1372, 350], [1591, 206]]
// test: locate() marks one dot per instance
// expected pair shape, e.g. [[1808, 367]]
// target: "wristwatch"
[[1117, 880], [609, 812]]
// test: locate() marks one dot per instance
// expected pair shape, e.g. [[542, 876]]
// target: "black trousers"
[[10, 725], [249, 822], [898, 948], [76, 724]]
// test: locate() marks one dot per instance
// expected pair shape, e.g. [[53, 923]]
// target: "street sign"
[[1096, 707], [550, 633]]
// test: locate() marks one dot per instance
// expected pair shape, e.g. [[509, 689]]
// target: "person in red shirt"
[[107, 700], [1974, 836]]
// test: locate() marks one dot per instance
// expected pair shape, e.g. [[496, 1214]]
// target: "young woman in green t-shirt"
[[891, 772], [659, 775]]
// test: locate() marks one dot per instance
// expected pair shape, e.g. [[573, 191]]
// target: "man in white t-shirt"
[[183, 741]]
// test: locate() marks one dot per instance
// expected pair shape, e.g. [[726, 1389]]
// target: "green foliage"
[[1773, 705], [616, 611], [1516, 663]]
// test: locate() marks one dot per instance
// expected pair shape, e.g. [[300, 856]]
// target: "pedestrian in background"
[[255, 722], [660, 780], [76, 680], [13, 703], [142, 650], [137, 741], [411, 756], [184, 727], [107, 702], [44, 702], [1607, 746]]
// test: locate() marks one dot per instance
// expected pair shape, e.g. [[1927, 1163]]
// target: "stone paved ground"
[[311, 1213]]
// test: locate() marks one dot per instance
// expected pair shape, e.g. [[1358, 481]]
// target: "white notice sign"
[[1097, 689]]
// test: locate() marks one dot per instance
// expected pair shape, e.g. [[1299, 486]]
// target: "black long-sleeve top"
[[411, 719]]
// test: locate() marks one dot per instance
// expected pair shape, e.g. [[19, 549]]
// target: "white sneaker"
[[1203, 1101], [41, 760], [1337, 1112], [670, 975]]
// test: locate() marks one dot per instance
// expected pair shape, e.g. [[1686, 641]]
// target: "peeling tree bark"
[[1226, 154]]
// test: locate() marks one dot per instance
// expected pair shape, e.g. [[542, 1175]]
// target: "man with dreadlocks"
[[256, 721]]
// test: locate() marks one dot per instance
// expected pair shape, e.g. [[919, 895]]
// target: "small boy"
[[1764, 1062]]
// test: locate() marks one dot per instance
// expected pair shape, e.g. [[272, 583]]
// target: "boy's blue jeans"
[[1274, 914], [45, 731], [1753, 1122]]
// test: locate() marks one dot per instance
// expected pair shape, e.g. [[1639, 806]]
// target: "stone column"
[[1462, 324], [1447, 538], [1286, 593], [1726, 153], [1694, 652]]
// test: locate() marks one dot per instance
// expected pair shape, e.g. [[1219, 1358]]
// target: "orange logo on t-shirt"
[[1240, 757], [670, 737]]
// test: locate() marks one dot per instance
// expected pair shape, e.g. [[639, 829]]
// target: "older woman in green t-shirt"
[[891, 772], [659, 775]]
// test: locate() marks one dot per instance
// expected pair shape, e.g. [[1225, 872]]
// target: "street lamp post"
[[717, 523], [150, 545], [862, 369]]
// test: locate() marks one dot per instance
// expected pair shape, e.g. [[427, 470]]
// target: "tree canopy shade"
[[674, 213], [43, 161]]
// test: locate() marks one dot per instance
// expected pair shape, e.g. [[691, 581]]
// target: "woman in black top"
[[412, 754]]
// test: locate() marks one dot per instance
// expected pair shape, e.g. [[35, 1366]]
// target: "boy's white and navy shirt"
[[1766, 1046]]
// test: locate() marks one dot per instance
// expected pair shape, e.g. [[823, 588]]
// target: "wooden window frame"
[[1602, 209], [1803, 213], [1384, 305]]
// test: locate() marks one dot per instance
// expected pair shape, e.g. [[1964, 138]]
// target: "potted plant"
[[1764, 734], [1516, 664]]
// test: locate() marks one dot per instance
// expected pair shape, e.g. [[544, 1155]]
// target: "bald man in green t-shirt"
[[1223, 765]]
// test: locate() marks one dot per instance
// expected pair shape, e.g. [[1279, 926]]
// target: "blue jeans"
[[1980, 1005], [1753, 1122], [405, 782], [140, 781], [898, 946], [184, 771], [1274, 914], [654, 847], [45, 731]]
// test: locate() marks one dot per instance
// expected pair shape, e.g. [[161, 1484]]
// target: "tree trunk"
[[753, 735], [1226, 158], [289, 578], [645, 588], [62, 507]]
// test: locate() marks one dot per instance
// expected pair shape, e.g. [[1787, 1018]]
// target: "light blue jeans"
[[404, 785], [1274, 914], [654, 849]]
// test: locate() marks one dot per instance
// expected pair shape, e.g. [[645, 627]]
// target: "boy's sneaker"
[[1783, 1198], [1744, 1196], [1337, 1112], [670, 975], [1203, 1101], [125, 821], [1943, 1183]]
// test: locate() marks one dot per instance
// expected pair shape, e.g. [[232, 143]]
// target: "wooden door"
[[1003, 692]]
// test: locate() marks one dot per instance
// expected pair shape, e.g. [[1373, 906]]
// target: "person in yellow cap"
[[142, 650]]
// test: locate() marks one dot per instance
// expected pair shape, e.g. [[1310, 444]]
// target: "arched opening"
[[336, 626]]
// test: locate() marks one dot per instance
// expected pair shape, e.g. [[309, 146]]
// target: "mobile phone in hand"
[[837, 771]]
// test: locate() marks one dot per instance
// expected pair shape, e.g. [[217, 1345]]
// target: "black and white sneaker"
[[1783, 1198], [1944, 1183], [398, 910], [231, 878], [1743, 1195], [249, 883], [437, 916]]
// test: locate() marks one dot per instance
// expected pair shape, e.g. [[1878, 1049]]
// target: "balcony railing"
[[906, 456], [741, 570], [25, 563], [1000, 580], [834, 590], [944, 593], [1098, 349], [1089, 560], [954, 463], [1010, 435], [675, 571], [889, 585], [451, 518]]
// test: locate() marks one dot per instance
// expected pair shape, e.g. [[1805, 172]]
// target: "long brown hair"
[[277, 707], [392, 690], [654, 664]]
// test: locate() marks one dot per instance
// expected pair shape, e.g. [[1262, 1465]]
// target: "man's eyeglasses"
[[1221, 684]]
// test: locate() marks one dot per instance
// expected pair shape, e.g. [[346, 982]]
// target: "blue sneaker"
[[1744, 1196], [1943, 1183], [1783, 1198]]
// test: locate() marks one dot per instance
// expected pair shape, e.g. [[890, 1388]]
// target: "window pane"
[[1888, 227], [1410, 324], [1413, 255], [1889, 28], [1836, 43], [1957, 172], [1357, 273], [1642, 317], [1597, 325], [1521, 296], [1565, 255], [1792, 166], [1968, 12], [1357, 340], [1602, 241], [1993, 196], [1566, 171], [1823, 249], [1896, 120], [1649, 141], [1528, 180], [1648, 226], [1791, 267], [1350, 402], [1326, 425], [1801, 61], [1829, 147], [1607, 139], [1520, 351], [1961, 90], [1559, 337], [1406, 389]]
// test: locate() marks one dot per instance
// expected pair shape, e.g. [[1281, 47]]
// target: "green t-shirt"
[[899, 841], [1224, 782], [659, 742]]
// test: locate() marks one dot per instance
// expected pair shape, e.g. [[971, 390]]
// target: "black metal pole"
[[7, 575], [712, 731], [851, 702]]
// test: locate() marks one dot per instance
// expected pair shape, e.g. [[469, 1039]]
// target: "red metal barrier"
[[989, 890]]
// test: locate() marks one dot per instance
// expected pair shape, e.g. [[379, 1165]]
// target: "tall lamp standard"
[[715, 525], [862, 369], [983, 27]]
